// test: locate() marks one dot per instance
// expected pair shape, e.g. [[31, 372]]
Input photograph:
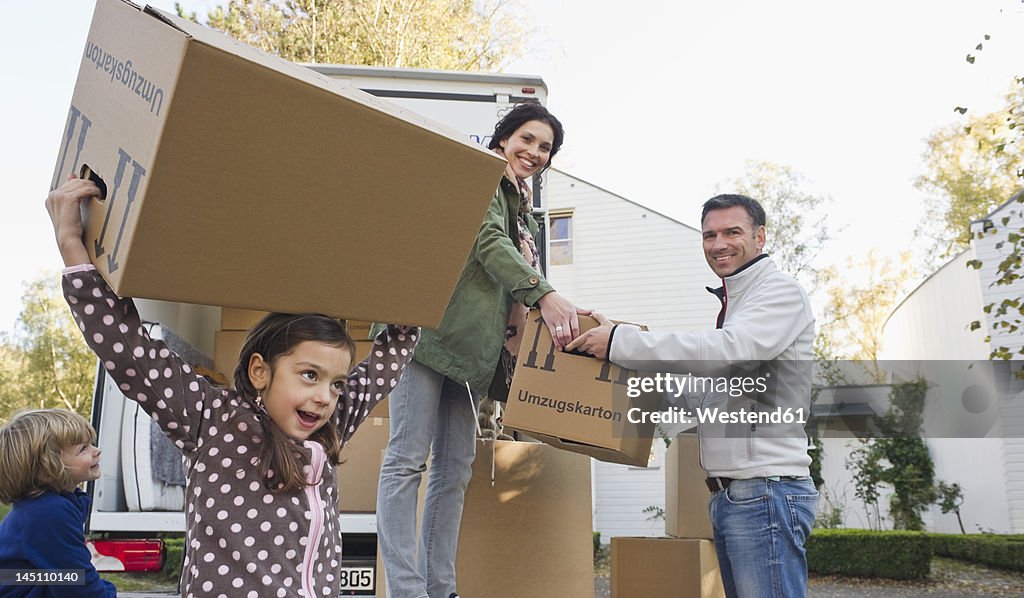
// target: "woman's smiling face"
[[528, 148]]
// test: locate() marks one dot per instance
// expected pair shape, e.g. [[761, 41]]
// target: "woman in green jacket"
[[433, 408]]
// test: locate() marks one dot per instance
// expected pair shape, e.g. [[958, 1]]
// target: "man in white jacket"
[[755, 453]]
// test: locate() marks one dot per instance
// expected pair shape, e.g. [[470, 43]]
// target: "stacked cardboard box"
[[527, 524], [677, 567], [684, 563], [686, 494]]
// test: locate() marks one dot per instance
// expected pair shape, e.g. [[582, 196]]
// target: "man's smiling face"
[[730, 240]]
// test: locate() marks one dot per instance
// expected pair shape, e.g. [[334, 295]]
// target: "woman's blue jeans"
[[430, 415]]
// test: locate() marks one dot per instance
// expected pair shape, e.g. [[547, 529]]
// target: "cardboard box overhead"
[[233, 177], [686, 494], [574, 402], [665, 567]]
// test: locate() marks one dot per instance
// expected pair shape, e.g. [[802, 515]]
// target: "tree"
[[970, 169], [951, 496], [797, 229], [46, 363], [899, 458], [468, 35], [974, 168], [856, 312]]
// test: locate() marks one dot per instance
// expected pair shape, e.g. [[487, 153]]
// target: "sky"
[[663, 102]]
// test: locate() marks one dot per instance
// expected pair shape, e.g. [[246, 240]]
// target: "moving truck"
[[134, 502]]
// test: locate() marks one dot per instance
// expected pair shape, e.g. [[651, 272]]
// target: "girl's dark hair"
[[281, 458], [519, 116]]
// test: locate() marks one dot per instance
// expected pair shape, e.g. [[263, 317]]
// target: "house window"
[[561, 239]]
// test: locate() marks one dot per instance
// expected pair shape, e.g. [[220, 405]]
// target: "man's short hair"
[[721, 202]]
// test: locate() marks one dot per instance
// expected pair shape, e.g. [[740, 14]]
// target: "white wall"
[[631, 264], [932, 321]]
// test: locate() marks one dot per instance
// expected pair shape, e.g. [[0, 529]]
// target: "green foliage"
[[1006, 316], [1002, 551], [856, 312], [950, 497], [468, 35], [4, 510], [899, 459], [45, 362], [971, 168], [863, 553]]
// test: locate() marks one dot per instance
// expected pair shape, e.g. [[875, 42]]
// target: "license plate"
[[357, 578]]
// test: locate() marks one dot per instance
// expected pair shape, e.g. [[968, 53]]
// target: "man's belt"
[[720, 484]]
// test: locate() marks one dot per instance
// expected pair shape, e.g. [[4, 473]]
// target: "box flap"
[[216, 39]]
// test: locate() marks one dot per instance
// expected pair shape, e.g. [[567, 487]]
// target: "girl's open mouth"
[[307, 419]]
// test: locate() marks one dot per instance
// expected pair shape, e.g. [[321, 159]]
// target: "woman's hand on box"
[[561, 317], [64, 207]]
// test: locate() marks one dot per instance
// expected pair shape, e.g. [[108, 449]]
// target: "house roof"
[[1018, 196], [626, 199]]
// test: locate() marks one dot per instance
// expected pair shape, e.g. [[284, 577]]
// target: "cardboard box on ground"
[[656, 567], [686, 494], [530, 533], [574, 402], [229, 174]]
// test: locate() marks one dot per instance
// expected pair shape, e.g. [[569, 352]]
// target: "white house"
[[630, 263], [932, 323]]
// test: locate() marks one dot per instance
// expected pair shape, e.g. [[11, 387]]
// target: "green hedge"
[[175, 554], [866, 553], [1002, 551]]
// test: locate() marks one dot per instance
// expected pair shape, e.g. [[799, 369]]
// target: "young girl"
[[463, 359], [261, 507], [44, 455]]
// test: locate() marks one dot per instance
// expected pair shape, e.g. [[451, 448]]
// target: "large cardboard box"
[[233, 177], [530, 532], [686, 494], [662, 567], [359, 471], [227, 344], [575, 402], [232, 318]]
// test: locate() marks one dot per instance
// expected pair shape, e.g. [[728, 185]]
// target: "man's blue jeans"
[[760, 526]]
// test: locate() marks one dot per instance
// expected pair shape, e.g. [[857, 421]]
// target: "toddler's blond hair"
[[31, 445]]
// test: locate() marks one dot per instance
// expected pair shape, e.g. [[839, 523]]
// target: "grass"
[[4, 510], [141, 582]]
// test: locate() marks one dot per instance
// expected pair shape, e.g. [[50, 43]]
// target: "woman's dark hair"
[[277, 334], [519, 116]]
